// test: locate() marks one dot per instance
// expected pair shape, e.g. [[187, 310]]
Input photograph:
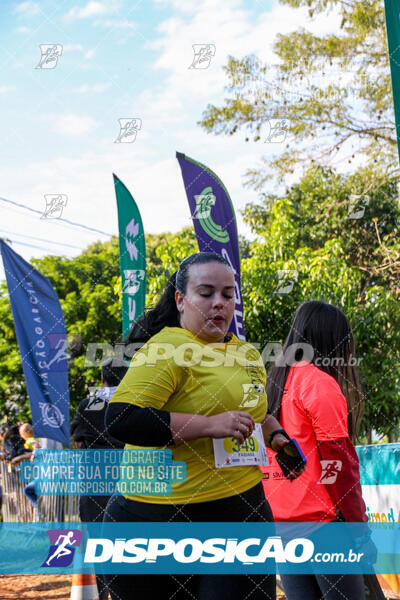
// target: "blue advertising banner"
[[40, 330], [194, 548], [214, 223]]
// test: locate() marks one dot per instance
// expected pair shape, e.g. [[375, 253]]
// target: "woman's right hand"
[[236, 424]]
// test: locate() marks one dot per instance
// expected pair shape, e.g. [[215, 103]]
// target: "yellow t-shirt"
[[31, 443], [177, 372]]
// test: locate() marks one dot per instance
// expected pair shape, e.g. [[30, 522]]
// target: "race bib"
[[229, 453]]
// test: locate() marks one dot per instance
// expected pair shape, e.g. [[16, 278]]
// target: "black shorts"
[[249, 506]]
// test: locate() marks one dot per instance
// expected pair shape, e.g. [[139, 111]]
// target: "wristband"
[[274, 433]]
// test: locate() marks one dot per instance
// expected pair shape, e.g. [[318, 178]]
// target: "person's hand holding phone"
[[278, 442], [289, 456]]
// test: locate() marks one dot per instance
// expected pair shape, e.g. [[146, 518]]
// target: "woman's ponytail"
[[164, 314]]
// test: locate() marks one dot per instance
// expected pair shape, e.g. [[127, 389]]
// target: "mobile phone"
[[291, 458]]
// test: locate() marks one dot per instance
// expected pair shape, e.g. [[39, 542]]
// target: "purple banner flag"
[[214, 223]]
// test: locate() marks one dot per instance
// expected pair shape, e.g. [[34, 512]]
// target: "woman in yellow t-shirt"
[[189, 386]]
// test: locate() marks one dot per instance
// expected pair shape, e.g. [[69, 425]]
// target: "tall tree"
[[333, 92], [348, 258]]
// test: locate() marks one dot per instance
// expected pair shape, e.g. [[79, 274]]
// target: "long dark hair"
[[326, 329], [165, 312]]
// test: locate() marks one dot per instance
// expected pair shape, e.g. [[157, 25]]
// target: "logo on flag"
[[204, 202], [51, 415], [132, 229], [132, 281]]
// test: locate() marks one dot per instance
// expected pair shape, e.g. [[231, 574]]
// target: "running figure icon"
[[63, 543], [62, 549]]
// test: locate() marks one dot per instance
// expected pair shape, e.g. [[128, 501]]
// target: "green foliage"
[[334, 92], [353, 263]]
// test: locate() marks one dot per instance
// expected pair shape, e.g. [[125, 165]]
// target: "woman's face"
[[207, 307]]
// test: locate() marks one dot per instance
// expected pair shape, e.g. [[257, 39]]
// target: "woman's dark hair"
[[165, 312], [327, 332]]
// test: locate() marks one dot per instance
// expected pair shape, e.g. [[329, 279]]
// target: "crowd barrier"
[[15, 506], [380, 480]]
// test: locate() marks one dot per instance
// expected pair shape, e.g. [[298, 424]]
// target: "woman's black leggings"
[[248, 506], [323, 587]]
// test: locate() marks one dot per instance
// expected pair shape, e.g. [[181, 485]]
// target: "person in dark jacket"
[[87, 428], [89, 432], [13, 443]]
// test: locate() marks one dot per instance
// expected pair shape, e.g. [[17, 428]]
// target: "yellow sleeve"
[[147, 383]]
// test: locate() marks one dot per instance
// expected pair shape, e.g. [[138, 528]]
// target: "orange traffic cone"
[[84, 587]]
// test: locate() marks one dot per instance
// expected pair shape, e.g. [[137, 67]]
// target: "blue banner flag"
[[40, 330], [214, 223]]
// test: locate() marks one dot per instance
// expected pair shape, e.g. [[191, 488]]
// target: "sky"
[[120, 59]]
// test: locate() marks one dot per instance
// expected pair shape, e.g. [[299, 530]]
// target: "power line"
[[31, 237], [29, 245], [59, 219], [50, 221]]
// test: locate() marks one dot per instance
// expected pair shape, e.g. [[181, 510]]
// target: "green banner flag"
[[132, 256], [392, 12]]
